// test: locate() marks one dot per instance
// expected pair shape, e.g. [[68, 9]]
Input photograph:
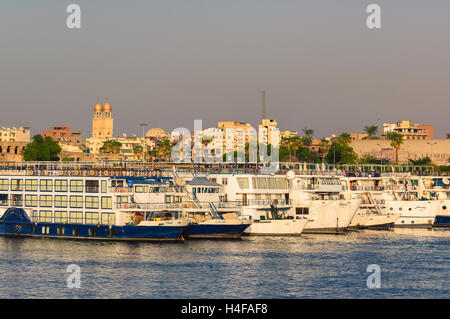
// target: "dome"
[[156, 132], [107, 107], [97, 107]]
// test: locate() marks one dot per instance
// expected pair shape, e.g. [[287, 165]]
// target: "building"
[[437, 150], [358, 136], [156, 133], [12, 151], [20, 134], [448, 135], [102, 123], [241, 134], [64, 134], [409, 130], [288, 134], [265, 130]]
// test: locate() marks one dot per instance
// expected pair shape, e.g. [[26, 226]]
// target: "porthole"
[[391, 208], [410, 208], [400, 209], [444, 207], [412, 222], [403, 221]]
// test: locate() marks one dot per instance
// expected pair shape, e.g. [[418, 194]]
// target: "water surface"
[[414, 264]]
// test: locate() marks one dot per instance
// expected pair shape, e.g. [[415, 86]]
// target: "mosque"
[[102, 123]]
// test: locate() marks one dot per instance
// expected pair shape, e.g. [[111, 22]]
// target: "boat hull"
[[442, 221], [17, 223], [217, 229], [277, 227]]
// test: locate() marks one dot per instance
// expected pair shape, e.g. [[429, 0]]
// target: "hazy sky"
[[168, 62]]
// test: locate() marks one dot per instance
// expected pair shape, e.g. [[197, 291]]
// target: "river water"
[[413, 264]]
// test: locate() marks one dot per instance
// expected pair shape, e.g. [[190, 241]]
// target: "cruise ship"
[[111, 202]]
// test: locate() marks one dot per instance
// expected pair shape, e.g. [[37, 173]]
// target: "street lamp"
[[143, 125]]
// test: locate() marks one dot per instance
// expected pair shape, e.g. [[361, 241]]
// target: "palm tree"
[[344, 139], [324, 146], [396, 140], [371, 131], [308, 132], [164, 149]]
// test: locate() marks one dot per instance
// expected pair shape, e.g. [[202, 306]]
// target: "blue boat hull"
[[16, 223], [215, 231], [442, 221]]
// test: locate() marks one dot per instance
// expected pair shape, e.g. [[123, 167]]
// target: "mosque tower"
[[102, 123]]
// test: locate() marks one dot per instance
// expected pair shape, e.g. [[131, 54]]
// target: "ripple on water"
[[414, 263]]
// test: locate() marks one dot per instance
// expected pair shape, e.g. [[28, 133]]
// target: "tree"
[[111, 147], [367, 159], [307, 139], [344, 138], [341, 153], [137, 150], [164, 150], [371, 131], [396, 141], [421, 161], [42, 149]]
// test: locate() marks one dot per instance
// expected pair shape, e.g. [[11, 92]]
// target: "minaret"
[[102, 123]]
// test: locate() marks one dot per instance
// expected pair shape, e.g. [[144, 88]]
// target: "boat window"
[[261, 183], [76, 201], [282, 183], [3, 199], [76, 186], [92, 186], [272, 183], [46, 200], [76, 217], [31, 185], [60, 200], [61, 217], [301, 210], [17, 184], [4, 185], [108, 218], [31, 200], [60, 185], [45, 216], [46, 185], [91, 202], [104, 186], [91, 218], [243, 182], [107, 202]]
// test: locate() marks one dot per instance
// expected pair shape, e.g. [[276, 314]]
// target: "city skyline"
[[170, 63]]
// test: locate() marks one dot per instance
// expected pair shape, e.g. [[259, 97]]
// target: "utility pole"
[[143, 125]]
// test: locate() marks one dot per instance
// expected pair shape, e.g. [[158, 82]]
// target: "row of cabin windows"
[[157, 189], [73, 217], [263, 183], [205, 190], [48, 185], [58, 201], [75, 231]]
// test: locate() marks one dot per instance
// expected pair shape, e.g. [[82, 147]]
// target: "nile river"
[[413, 264]]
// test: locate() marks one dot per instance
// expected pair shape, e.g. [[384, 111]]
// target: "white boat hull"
[[332, 216], [277, 227], [415, 213]]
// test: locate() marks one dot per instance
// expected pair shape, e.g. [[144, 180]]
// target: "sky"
[[170, 62]]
